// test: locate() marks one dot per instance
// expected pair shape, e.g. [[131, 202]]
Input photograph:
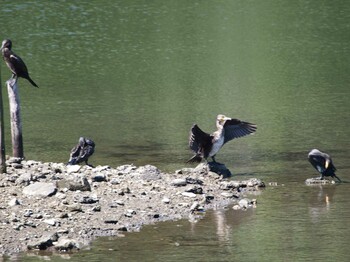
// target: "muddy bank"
[[54, 206]]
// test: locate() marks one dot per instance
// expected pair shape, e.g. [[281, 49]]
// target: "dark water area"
[[136, 75]]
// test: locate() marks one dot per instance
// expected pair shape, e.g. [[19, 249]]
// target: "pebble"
[[73, 168], [189, 194], [166, 200], [14, 202], [51, 222], [179, 182]]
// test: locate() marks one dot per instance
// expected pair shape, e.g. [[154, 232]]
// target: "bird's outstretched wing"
[[235, 128], [198, 139]]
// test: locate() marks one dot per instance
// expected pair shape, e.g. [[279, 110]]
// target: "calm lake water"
[[135, 75]]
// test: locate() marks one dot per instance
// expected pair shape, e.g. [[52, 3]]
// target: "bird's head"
[[81, 141], [6, 44], [221, 119]]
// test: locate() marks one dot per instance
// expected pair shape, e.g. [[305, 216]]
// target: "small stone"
[[229, 195], [88, 200], [24, 179], [179, 182], [96, 208], [65, 244], [243, 203], [14, 202], [166, 200], [101, 168], [195, 190], [73, 168], [115, 181], [28, 213], [51, 221], [17, 165], [236, 207], [111, 221], [188, 194], [74, 208], [99, 177]]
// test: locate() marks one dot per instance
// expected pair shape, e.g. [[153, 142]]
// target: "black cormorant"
[[206, 145], [14, 62], [82, 151], [323, 163]]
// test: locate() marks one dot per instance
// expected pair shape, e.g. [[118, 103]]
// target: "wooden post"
[[16, 124], [2, 135]]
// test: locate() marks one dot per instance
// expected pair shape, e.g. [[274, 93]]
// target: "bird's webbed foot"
[[89, 164]]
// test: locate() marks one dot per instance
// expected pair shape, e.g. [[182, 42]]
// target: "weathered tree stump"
[[15, 114], [2, 135]]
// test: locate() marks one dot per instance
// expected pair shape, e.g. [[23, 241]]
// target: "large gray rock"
[[148, 173], [44, 242], [40, 189]]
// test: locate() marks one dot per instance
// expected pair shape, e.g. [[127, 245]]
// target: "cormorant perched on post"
[[82, 151], [323, 163], [14, 62], [207, 145]]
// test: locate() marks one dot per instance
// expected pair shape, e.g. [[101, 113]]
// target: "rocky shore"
[[59, 207]]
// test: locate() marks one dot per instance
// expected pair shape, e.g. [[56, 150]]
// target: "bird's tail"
[[195, 159], [32, 82]]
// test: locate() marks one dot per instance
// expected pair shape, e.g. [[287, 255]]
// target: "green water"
[[135, 75]]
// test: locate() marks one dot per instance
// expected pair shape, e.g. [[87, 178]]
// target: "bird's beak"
[[326, 164]]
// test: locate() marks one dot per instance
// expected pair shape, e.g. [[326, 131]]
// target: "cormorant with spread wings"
[[206, 145]]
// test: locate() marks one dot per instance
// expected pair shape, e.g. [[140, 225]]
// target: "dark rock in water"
[[40, 189], [219, 169], [44, 242]]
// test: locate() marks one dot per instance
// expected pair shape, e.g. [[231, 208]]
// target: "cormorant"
[[14, 62], [82, 151], [323, 163], [206, 145]]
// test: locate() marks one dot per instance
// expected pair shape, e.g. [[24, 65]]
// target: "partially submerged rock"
[[318, 181]]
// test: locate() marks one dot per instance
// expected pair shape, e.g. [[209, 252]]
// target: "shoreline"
[[51, 206]]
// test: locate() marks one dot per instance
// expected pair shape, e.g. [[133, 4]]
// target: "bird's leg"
[[337, 178], [13, 80], [213, 157]]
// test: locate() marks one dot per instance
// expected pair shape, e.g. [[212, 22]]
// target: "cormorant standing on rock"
[[14, 62], [206, 145], [82, 151], [323, 163]]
